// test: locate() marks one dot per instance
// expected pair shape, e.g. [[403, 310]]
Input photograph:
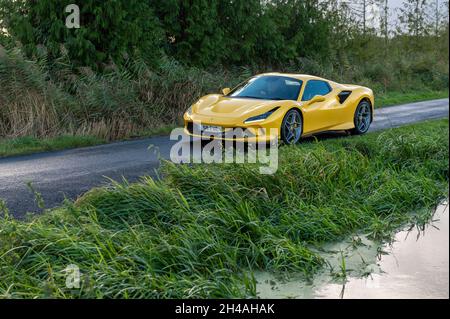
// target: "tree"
[[304, 25], [363, 13], [243, 23], [192, 28], [439, 13], [384, 19], [110, 30], [204, 33], [413, 18]]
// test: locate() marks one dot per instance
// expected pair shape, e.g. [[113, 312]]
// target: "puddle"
[[416, 265]]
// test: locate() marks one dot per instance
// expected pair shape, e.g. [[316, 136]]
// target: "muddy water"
[[415, 265]]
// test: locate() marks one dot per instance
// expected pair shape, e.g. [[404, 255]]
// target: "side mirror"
[[315, 99], [225, 91]]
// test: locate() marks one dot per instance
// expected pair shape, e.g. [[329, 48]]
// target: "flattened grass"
[[396, 98], [29, 145], [202, 230]]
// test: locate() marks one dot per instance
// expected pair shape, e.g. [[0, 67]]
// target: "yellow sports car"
[[281, 106]]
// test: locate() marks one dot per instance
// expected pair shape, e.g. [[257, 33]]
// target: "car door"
[[319, 115]]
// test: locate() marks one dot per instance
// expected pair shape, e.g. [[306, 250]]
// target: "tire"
[[291, 127], [362, 118]]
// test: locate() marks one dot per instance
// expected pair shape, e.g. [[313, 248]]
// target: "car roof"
[[303, 77]]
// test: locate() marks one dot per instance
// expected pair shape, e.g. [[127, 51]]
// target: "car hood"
[[221, 106]]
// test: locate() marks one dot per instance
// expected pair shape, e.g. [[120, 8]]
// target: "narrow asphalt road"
[[69, 173]]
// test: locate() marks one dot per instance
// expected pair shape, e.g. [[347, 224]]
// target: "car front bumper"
[[245, 134]]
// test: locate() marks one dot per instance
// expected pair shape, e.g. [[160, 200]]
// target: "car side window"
[[315, 87]]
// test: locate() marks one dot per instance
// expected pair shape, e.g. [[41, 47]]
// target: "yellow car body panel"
[[232, 112]]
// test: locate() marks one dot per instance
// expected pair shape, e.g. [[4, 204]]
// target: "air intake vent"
[[343, 96]]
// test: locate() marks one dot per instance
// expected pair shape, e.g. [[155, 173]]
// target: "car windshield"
[[268, 87]]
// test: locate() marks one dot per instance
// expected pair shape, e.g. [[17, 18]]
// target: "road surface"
[[70, 173]]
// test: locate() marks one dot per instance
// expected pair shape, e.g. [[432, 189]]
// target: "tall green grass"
[[203, 229]]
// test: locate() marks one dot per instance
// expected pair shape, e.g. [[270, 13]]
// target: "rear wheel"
[[291, 127], [363, 118]]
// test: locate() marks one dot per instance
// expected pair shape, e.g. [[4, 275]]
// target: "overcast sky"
[[395, 3], [394, 6]]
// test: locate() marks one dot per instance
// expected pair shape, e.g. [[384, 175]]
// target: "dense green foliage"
[[203, 230], [112, 30], [199, 32], [208, 32]]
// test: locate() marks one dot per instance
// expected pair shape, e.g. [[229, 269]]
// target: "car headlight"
[[261, 117]]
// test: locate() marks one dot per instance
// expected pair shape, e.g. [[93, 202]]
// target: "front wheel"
[[363, 118], [291, 127]]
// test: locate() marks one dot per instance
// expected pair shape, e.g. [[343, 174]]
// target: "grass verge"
[[204, 229], [395, 98], [29, 145]]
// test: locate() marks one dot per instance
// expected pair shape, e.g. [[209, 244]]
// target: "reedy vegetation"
[[203, 229]]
